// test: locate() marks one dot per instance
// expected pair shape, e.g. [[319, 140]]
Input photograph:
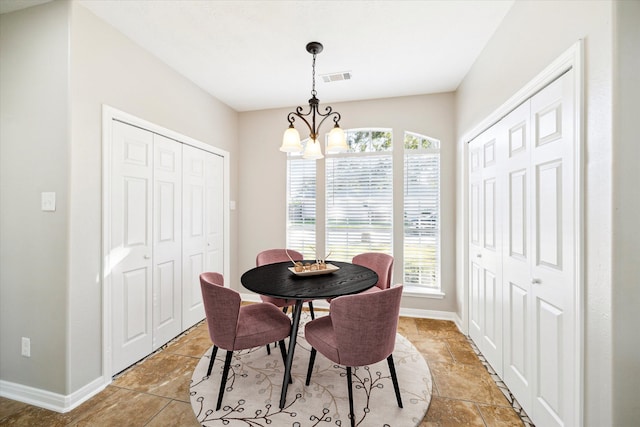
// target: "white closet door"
[[202, 227], [518, 327], [131, 244], [167, 240], [214, 173], [485, 247], [553, 271]]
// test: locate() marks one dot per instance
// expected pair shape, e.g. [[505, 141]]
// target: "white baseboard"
[[408, 312], [49, 400]]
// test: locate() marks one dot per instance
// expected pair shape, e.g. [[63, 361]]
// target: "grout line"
[[502, 386]]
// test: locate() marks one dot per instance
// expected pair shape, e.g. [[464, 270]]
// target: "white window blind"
[[359, 196], [301, 205], [421, 212]]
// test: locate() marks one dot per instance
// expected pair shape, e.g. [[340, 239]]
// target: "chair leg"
[[311, 310], [283, 351], [223, 382], [394, 378], [350, 386], [213, 358], [312, 359], [268, 349]]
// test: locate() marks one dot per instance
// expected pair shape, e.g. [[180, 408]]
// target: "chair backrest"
[[271, 256], [379, 262], [366, 325], [222, 307]]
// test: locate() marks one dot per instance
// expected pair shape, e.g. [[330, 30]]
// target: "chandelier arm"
[[292, 117], [336, 118]]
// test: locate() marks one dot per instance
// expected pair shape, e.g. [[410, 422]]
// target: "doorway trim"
[[109, 114]]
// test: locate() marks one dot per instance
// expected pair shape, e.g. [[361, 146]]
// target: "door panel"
[[553, 272], [485, 247], [131, 230], [202, 227], [167, 240]]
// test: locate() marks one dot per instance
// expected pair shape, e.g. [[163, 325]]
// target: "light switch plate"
[[48, 201]]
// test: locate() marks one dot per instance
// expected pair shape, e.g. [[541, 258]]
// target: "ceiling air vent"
[[336, 77]]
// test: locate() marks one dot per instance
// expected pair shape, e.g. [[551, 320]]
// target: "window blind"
[[301, 205], [422, 217], [359, 205]]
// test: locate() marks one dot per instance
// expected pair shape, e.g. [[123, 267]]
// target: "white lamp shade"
[[291, 141], [312, 150], [337, 141]]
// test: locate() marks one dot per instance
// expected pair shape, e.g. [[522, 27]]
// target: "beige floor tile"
[[499, 416], [462, 352], [466, 382], [452, 413], [433, 350], [125, 407], [33, 416], [175, 414], [9, 407]]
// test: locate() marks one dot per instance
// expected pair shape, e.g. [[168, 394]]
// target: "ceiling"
[[251, 54]]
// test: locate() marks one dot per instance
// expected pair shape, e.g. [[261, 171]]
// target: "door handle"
[[147, 257], [479, 256], [536, 281]]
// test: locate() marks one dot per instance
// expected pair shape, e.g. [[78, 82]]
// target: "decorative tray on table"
[[314, 269]]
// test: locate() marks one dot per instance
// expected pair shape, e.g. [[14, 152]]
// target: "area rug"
[[253, 389]]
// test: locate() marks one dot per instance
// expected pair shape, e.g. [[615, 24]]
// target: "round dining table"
[[279, 281]]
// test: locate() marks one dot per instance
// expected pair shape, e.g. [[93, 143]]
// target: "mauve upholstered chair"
[[271, 256], [360, 330], [235, 327], [379, 262]]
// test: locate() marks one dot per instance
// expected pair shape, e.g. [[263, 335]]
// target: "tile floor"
[[155, 392]]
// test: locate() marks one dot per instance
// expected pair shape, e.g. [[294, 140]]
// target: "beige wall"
[[34, 157], [532, 35], [51, 262], [262, 202], [626, 211], [107, 68]]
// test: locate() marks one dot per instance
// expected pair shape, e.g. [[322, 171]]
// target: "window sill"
[[414, 291]]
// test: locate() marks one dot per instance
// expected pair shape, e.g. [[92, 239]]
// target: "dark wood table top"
[[276, 280]]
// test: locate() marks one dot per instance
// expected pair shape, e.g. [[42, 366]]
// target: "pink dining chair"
[[271, 256], [360, 330], [234, 327], [379, 262]]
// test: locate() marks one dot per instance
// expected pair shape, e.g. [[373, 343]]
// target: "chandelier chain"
[[313, 76]]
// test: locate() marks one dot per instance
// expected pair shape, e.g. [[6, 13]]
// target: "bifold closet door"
[[485, 247], [539, 258], [202, 227], [553, 251], [167, 240], [131, 244], [522, 252]]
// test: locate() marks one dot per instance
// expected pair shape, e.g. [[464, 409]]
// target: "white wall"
[[59, 65], [532, 35], [34, 157], [262, 181]]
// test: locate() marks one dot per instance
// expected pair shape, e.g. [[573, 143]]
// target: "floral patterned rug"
[[255, 378]]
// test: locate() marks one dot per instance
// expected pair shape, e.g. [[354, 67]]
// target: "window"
[[301, 205], [359, 213], [421, 212], [359, 195]]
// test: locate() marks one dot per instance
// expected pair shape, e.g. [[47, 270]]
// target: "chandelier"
[[291, 139]]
